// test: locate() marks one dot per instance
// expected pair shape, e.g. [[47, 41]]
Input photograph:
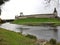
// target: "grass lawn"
[[13, 38], [37, 21]]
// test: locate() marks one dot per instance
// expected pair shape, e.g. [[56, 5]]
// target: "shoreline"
[[40, 24], [37, 21]]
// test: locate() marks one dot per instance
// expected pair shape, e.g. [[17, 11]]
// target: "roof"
[[55, 10], [38, 14]]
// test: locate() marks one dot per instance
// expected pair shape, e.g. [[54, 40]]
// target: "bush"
[[0, 20], [31, 36], [52, 41]]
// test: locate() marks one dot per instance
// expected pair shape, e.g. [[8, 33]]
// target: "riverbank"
[[12, 38], [38, 21], [9, 37]]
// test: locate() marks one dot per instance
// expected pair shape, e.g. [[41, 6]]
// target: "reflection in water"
[[55, 32], [42, 32], [21, 29]]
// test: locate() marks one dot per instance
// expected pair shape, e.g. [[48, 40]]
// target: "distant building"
[[53, 15], [21, 14]]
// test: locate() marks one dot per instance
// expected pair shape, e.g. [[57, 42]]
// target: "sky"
[[14, 7]]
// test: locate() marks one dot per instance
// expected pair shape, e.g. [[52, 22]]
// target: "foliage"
[[48, 1], [1, 21], [3, 1], [31, 36], [52, 41]]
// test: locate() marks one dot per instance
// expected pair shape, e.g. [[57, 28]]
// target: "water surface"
[[41, 32]]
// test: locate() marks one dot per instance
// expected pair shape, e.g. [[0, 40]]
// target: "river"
[[41, 32]]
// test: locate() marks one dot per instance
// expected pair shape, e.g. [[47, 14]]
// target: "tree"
[[1, 3], [47, 3]]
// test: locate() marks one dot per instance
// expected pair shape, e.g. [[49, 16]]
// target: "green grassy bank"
[[37, 21], [13, 38]]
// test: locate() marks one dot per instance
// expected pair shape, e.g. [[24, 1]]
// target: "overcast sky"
[[14, 7]]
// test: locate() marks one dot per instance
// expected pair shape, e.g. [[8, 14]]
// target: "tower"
[[21, 13], [55, 13]]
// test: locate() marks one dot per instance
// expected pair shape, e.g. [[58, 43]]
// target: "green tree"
[[47, 3], [31, 36], [1, 3]]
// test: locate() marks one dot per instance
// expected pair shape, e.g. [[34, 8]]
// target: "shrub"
[[31, 36], [0, 20], [52, 41]]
